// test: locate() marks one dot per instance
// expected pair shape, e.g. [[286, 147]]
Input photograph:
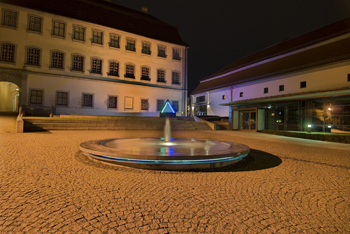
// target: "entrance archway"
[[9, 97]]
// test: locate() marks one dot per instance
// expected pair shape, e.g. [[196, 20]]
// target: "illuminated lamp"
[[309, 127], [167, 110], [329, 126]]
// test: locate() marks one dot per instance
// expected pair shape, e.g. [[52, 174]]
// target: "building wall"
[[321, 78], [22, 38]]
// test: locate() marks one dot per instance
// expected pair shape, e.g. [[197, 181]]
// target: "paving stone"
[[285, 185]]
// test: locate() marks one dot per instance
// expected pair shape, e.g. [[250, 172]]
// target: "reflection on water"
[[159, 147]]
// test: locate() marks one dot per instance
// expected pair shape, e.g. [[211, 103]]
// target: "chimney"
[[144, 10]]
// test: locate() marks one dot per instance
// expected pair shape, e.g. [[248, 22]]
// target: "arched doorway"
[[9, 97]]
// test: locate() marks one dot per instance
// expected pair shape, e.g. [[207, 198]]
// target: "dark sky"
[[219, 32]]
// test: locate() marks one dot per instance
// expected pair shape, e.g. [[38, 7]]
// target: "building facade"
[[89, 57], [300, 84]]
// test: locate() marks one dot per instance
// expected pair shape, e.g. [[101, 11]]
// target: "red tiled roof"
[[322, 55], [107, 14], [318, 56]]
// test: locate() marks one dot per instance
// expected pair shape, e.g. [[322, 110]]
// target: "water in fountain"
[[166, 153]]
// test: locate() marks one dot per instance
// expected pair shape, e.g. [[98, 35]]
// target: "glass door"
[[248, 120]]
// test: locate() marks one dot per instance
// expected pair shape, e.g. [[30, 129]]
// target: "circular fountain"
[[166, 153]]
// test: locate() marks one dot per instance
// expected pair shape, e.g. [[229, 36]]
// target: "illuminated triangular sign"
[[167, 108]]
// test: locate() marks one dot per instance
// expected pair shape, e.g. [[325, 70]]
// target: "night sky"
[[220, 32]]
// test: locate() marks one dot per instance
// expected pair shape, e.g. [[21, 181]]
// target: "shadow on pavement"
[[256, 160]]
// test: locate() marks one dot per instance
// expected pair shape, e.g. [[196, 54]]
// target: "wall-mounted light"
[[329, 108], [208, 106], [17, 89]]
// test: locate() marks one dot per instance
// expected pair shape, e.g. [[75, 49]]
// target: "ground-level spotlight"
[[309, 126]]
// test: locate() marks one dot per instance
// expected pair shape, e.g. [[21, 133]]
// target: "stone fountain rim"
[[95, 148]]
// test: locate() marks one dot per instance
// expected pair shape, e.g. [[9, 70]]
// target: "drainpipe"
[[186, 85]]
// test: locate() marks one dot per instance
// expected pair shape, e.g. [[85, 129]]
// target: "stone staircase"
[[32, 124]]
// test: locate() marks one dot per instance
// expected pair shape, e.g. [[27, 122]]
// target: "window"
[[223, 97], [36, 97], [9, 18], [281, 88], [62, 99], [87, 100], [130, 71], [200, 99], [112, 102], [160, 104], [176, 54], [303, 84], [78, 63], [96, 65], [59, 29], [57, 59], [145, 73], [175, 77], [161, 76], [34, 23], [144, 104], [79, 33], [114, 41], [161, 51], [241, 94], [266, 90], [97, 37], [146, 48], [175, 105], [33, 56], [348, 77], [130, 45], [113, 69], [7, 52]]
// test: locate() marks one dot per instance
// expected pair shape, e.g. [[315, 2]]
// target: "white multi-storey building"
[[301, 83], [88, 57]]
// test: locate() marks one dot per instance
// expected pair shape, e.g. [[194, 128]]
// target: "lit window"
[[62, 99], [176, 54], [97, 37], [112, 102], [79, 33], [146, 48], [36, 97], [161, 76], [59, 29], [78, 63], [281, 88], [96, 66], [266, 90], [57, 59], [87, 100], [114, 41], [145, 73], [33, 56], [303, 84], [144, 104], [160, 104], [175, 78], [9, 18], [34, 23], [113, 69], [161, 51], [130, 45], [130, 71], [175, 105], [7, 52]]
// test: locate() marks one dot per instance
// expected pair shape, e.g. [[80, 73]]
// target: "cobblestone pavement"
[[285, 185]]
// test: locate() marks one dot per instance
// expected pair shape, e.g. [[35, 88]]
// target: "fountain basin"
[[175, 154]]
